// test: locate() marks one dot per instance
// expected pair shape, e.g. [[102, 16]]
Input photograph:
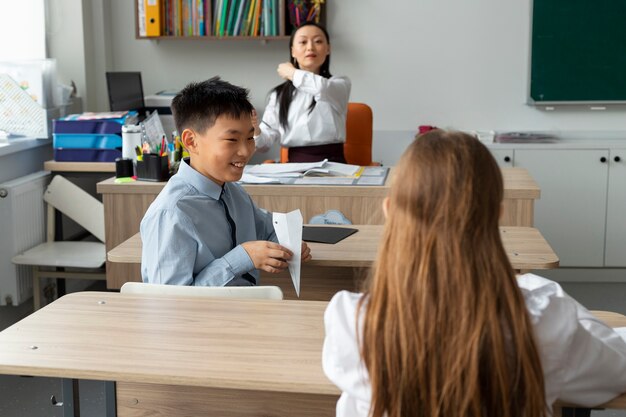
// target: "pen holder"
[[153, 168]]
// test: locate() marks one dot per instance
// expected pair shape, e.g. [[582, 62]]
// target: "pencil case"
[[153, 168]]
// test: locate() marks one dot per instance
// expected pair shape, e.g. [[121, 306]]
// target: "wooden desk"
[[168, 354], [125, 205], [343, 266], [79, 166], [177, 356]]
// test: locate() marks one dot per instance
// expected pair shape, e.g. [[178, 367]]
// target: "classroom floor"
[[30, 397]]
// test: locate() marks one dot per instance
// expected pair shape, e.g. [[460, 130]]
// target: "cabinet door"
[[615, 252], [572, 209], [504, 157]]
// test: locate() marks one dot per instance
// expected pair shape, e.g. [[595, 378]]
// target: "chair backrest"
[[359, 133], [258, 292], [76, 204]]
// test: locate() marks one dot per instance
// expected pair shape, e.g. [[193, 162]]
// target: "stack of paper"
[[285, 173]]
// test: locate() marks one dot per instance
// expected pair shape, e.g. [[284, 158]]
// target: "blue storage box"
[[81, 123], [87, 126], [78, 141], [86, 155]]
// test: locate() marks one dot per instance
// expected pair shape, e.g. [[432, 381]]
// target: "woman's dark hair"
[[286, 90]]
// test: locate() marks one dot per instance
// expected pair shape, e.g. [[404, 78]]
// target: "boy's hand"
[[268, 256], [306, 252], [255, 123], [286, 70]]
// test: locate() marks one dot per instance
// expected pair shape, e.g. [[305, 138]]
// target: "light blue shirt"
[[186, 236]]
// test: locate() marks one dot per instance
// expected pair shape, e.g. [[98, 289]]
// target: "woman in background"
[[307, 112]]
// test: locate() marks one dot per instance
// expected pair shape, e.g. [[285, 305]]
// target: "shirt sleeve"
[[170, 248], [270, 133], [341, 360], [595, 364], [222, 270], [334, 90], [584, 360], [263, 223]]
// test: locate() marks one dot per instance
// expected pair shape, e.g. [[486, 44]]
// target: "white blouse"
[[584, 360], [326, 124]]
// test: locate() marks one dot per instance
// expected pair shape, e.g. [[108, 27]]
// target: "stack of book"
[[247, 18], [524, 137]]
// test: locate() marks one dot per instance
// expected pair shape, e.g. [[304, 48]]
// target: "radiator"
[[22, 226]]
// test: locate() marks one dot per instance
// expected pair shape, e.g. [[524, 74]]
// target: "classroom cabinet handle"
[[507, 159], [603, 159], [617, 159]]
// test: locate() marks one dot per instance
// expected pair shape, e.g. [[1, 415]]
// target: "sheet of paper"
[[324, 181], [253, 179], [345, 170], [371, 181], [265, 170], [288, 227], [374, 171], [154, 128]]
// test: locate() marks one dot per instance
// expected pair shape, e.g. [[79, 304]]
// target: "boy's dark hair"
[[198, 105]]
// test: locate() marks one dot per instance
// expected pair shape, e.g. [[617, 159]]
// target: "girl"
[[444, 327], [307, 113]]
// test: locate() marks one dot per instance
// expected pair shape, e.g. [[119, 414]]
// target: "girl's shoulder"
[[343, 305], [553, 313]]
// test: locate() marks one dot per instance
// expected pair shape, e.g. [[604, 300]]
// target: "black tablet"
[[325, 234]]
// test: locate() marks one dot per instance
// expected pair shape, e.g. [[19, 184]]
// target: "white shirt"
[[583, 359], [326, 124]]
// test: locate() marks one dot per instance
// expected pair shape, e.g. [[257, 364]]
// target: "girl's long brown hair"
[[446, 332]]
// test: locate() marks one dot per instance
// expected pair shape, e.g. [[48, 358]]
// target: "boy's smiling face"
[[221, 152]]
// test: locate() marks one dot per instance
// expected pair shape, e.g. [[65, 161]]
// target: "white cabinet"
[[504, 157], [571, 212], [615, 252]]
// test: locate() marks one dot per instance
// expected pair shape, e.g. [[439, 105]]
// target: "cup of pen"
[[152, 167]]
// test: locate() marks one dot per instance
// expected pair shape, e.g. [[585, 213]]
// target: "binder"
[[153, 18]]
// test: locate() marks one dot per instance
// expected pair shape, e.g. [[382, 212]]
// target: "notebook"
[[321, 234]]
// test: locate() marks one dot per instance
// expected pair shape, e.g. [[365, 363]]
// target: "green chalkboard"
[[578, 51]]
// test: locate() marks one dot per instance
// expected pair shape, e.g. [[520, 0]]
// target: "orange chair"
[[359, 133]]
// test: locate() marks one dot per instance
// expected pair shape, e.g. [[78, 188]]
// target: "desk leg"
[[71, 405], [109, 399], [575, 412]]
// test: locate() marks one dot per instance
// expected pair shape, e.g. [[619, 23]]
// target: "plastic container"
[[131, 138], [153, 168], [86, 155], [78, 141], [100, 127]]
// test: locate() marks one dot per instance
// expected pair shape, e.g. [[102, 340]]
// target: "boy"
[[203, 229]]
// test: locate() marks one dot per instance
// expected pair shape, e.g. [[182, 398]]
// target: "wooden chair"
[[86, 259], [359, 134], [257, 292]]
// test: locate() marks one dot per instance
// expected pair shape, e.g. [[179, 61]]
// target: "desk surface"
[[180, 341], [79, 166], [248, 344], [518, 184], [526, 247]]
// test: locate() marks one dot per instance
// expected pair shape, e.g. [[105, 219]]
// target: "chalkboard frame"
[[557, 40]]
